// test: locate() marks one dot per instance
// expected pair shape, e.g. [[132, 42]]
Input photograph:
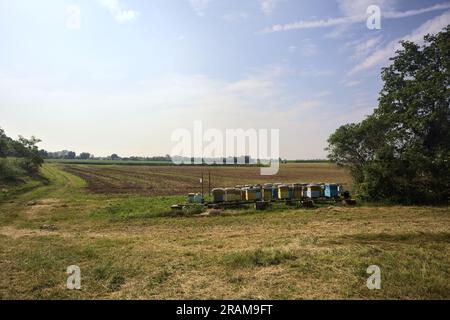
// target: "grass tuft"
[[258, 258], [116, 282]]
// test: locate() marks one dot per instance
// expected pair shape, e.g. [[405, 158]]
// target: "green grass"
[[11, 190], [138, 208], [132, 247], [258, 258]]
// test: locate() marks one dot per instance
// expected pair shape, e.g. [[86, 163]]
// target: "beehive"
[[243, 194], [258, 189], [198, 198], [304, 191], [242, 189], [322, 189], [266, 192], [313, 191], [297, 191], [331, 190], [218, 195], [233, 195], [275, 190], [283, 192], [250, 194], [290, 191]]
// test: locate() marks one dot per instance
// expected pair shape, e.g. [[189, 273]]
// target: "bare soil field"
[[180, 180]]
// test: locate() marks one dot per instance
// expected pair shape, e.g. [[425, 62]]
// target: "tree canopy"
[[18, 157], [401, 153]]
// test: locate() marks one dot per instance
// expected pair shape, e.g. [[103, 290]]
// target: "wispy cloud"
[[268, 6], [264, 82], [293, 48], [351, 83], [382, 56], [354, 14], [308, 105], [322, 94], [199, 6], [410, 13], [117, 11], [363, 48], [308, 48], [352, 8], [235, 16], [307, 24], [311, 72]]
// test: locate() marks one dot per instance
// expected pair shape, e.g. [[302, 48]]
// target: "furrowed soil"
[[180, 180], [129, 245]]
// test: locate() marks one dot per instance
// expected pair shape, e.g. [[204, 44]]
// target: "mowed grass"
[[132, 247]]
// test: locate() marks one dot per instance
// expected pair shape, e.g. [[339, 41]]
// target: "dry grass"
[[294, 254]]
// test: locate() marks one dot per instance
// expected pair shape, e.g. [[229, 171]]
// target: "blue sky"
[[133, 71]]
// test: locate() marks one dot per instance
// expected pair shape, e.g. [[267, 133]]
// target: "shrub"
[[11, 169]]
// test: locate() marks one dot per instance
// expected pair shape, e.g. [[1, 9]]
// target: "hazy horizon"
[[128, 73]]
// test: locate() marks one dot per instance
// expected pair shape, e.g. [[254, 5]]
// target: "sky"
[[119, 76]]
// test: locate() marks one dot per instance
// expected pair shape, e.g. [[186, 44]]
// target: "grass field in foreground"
[[129, 246]]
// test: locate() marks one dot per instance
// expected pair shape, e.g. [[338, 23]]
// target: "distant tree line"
[[18, 158], [72, 155], [65, 154], [308, 161]]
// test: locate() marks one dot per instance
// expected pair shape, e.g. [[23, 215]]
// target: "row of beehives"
[[278, 191]]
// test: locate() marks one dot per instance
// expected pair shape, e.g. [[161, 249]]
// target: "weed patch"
[[258, 258]]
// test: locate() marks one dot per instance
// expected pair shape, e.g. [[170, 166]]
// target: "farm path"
[[29, 212]]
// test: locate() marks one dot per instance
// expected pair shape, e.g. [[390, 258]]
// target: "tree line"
[[72, 155], [401, 153], [18, 158]]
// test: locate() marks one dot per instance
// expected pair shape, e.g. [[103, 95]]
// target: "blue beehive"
[[258, 193], [313, 191], [291, 192], [331, 190], [218, 195], [275, 190]]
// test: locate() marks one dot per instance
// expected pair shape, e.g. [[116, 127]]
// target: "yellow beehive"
[[250, 194], [233, 195], [298, 191], [283, 192], [267, 192], [243, 194]]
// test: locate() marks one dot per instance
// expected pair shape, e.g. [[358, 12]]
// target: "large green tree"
[[24, 154], [401, 153], [5, 144]]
